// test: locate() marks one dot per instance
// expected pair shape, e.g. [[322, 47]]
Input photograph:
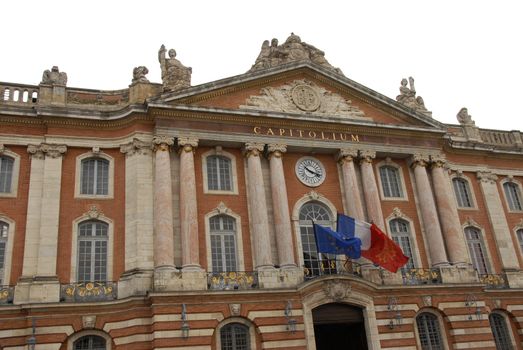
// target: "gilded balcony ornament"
[[232, 280], [421, 276], [493, 281], [89, 291]]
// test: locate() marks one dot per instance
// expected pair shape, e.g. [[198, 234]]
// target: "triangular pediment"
[[299, 89]]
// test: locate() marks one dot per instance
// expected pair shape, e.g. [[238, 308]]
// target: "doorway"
[[339, 326]]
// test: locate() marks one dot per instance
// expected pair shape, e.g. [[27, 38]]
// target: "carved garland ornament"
[[337, 290]]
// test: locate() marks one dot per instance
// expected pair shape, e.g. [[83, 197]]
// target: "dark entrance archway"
[[339, 326]]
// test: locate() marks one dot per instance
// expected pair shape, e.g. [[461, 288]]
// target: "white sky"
[[461, 53]]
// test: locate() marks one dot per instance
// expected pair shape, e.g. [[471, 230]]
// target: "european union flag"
[[332, 242]]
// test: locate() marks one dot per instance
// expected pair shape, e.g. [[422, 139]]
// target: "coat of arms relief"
[[302, 96]]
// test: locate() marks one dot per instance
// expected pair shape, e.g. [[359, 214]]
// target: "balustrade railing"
[[232, 280], [18, 94], [317, 268], [500, 138], [493, 281], [89, 291], [419, 276], [6, 294]]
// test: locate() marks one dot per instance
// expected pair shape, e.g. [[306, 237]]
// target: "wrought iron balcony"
[[317, 268], [419, 276], [232, 280], [492, 281], [88, 291], [6, 294]]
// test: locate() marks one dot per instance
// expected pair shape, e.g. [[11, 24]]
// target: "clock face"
[[310, 171]]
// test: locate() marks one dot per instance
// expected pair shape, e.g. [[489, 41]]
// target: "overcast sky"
[[461, 53]]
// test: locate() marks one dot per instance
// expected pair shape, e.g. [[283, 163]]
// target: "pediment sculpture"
[[175, 76], [408, 98], [292, 50], [302, 96], [54, 77]]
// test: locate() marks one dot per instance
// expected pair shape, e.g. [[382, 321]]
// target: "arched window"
[[462, 191], [223, 243], [519, 234], [94, 178], [92, 251], [477, 249], [90, 342], [219, 173], [4, 229], [513, 195], [500, 331], [315, 263], [235, 336], [390, 182], [400, 232], [6, 173], [429, 332]]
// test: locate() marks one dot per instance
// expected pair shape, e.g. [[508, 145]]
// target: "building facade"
[[171, 216]]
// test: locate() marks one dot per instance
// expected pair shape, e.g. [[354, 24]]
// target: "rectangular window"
[[390, 182], [6, 174]]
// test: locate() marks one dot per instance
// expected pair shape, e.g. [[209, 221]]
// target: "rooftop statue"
[[54, 77], [408, 97], [175, 76], [292, 50], [139, 75], [464, 117]]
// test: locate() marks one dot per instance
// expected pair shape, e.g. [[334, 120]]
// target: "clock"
[[310, 171]]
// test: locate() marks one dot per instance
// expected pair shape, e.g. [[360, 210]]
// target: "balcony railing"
[[18, 94], [232, 280], [89, 291], [6, 294], [492, 281], [421, 276], [317, 268]]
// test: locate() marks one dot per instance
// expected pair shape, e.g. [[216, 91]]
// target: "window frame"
[[219, 152], [519, 229], [508, 328], [78, 175], [414, 258], [74, 244], [222, 209], [483, 244], [8, 253], [517, 186], [242, 321], [15, 174], [440, 324], [472, 197], [90, 332], [388, 163], [222, 233]]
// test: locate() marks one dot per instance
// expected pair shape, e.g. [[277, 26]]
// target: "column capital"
[[47, 149], [347, 155], [188, 144], [486, 177], [438, 160], [162, 142], [136, 146], [419, 159], [253, 149], [35, 151], [366, 156], [276, 149]]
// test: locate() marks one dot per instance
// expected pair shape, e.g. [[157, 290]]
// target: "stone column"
[[282, 220], [34, 207], [370, 189], [139, 220], [351, 190], [448, 213], [429, 215], [498, 220], [188, 205], [163, 204], [258, 207]]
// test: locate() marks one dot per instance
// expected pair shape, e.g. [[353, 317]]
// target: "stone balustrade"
[[18, 94], [501, 138]]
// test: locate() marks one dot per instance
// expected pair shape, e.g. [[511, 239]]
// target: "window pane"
[[94, 178], [90, 342], [234, 336], [461, 188], [513, 195], [223, 243], [476, 249], [429, 333], [500, 332], [6, 174], [519, 233], [390, 182], [219, 173], [400, 233], [92, 251]]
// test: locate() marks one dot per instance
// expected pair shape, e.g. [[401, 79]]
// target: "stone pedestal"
[[514, 279], [458, 274], [52, 95], [37, 290], [382, 277], [135, 282], [166, 280], [280, 278], [139, 92]]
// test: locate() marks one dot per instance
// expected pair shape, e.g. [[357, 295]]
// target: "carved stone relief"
[[337, 290], [235, 309], [54, 77], [303, 96]]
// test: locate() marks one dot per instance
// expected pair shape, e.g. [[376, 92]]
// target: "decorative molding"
[[519, 225], [337, 290], [89, 321], [46, 149], [136, 146], [347, 155], [367, 155], [313, 195], [276, 149], [427, 300], [438, 160], [94, 212], [2, 148], [187, 144], [95, 150], [235, 309], [253, 149], [222, 209], [471, 222], [420, 159], [486, 177]]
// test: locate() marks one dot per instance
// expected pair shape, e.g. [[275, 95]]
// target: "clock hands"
[[311, 170]]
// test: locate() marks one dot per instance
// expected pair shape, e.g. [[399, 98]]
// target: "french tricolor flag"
[[375, 245]]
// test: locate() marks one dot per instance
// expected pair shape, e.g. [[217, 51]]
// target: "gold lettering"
[[355, 138], [256, 130], [323, 136], [290, 132], [282, 132], [312, 134], [343, 136], [301, 133], [270, 132], [334, 136]]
